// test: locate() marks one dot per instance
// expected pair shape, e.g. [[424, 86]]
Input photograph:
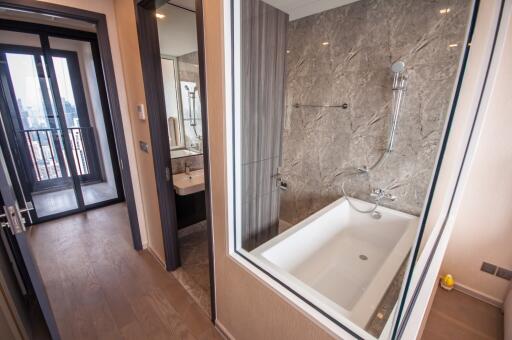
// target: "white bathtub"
[[320, 257]]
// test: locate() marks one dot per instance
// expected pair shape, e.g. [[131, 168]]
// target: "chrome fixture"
[[379, 194], [191, 94], [343, 106], [399, 87], [187, 169], [376, 215]]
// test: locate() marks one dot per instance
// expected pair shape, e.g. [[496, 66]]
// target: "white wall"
[[483, 224]]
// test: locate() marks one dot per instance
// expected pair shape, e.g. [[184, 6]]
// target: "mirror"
[[339, 113], [180, 71]]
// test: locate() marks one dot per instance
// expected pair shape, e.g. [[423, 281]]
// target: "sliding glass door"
[[55, 124]]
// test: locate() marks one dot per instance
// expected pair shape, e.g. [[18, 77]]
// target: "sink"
[[183, 153], [188, 184]]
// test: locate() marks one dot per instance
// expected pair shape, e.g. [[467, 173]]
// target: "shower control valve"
[[379, 194]]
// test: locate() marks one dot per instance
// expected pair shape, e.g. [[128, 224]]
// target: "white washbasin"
[[183, 153], [186, 184]]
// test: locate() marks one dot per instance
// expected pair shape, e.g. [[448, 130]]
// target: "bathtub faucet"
[[379, 194]]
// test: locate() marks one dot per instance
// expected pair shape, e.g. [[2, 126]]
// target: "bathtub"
[[341, 260]]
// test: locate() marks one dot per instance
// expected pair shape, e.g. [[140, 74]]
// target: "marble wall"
[[195, 162], [188, 66], [322, 146]]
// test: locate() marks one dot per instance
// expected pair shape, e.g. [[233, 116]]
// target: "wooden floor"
[[101, 288], [455, 315]]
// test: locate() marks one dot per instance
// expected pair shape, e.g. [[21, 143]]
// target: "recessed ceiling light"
[[453, 45], [325, 43], [444, 11], [160, 15]]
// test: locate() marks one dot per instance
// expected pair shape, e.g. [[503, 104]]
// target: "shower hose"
[[365, 170]]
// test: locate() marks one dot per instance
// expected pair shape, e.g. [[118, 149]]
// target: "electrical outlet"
[[488, 268], [504, 273]]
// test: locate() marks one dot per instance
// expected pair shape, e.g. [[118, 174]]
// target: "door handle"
[[13, 218]]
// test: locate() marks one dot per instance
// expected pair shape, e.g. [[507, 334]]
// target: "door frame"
[[152, 73], [110, 99], [45, 32]]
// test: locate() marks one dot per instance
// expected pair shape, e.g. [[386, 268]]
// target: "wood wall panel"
[[263, 54]]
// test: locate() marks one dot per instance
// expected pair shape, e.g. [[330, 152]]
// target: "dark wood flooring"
[[101, 288]]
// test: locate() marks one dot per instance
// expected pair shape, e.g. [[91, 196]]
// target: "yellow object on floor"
[[447, 282]]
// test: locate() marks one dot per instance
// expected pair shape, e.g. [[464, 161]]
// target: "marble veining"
[[188, 69], [321, 146], [195, 162]]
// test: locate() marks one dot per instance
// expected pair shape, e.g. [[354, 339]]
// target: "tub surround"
[[363, 39], [336, 247]]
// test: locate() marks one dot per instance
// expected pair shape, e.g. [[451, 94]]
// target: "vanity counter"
[[186, 184]]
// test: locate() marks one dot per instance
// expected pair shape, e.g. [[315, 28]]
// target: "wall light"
[[325, 43], [160, 15], [444, 11], [287, 51], [453, 45]]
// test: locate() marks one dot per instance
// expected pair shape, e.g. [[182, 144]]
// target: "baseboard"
[[225, 333], [162, 263], [478, 295]]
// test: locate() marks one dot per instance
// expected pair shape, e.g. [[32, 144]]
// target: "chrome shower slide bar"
[[297, 105]]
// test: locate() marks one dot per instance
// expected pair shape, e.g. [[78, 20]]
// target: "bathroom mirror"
[[180, 72], [339, 112]]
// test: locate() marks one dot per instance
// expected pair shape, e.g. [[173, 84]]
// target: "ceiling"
[[188, 4], [46, 19], [302, 8], [177, 30]]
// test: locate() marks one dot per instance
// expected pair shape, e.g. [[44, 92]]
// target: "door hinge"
[[167, 174], [15, 221]]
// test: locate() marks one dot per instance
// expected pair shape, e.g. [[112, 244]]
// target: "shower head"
[[398, 67]]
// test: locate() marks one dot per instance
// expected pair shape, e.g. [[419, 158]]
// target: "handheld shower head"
[[398, 67], [399, 85]]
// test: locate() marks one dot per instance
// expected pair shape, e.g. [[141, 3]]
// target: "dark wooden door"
[[13, 219]]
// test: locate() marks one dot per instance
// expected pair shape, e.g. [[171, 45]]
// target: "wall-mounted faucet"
[[379, 194]]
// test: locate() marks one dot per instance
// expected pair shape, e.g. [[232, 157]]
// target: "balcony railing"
[[46, 149]]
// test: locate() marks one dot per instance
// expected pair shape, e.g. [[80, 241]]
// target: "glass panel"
[[85, 117], [66, 92], [180, 70], [48, 176], [339, 115]]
